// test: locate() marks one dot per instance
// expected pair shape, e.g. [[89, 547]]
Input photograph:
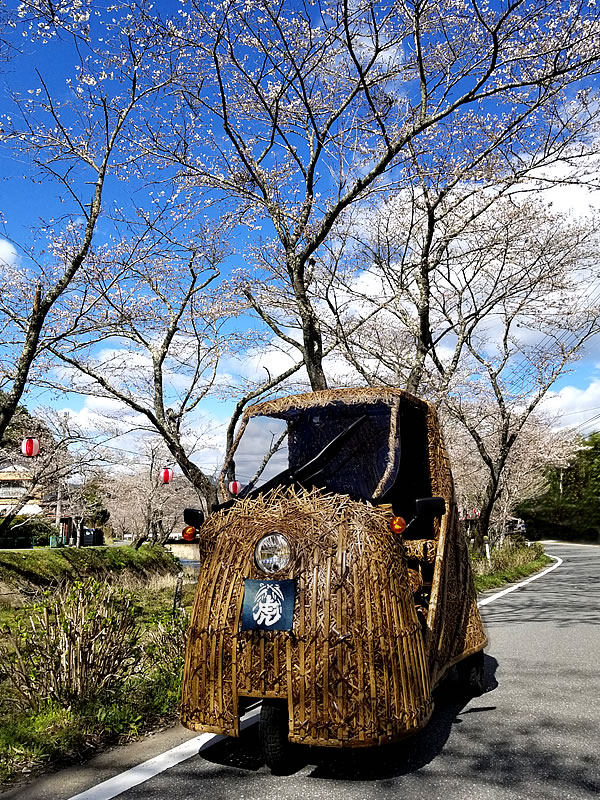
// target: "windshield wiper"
[[307, 471]]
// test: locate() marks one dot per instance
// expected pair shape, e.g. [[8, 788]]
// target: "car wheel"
[[277, 751], [471, 674]]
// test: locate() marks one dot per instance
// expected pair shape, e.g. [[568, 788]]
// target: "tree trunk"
[[205, 488], [314, 363], [311, 330], [487, 506]]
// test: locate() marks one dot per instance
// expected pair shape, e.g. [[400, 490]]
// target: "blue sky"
[[23, 203]]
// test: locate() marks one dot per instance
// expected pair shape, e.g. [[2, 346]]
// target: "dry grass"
[[75, 643], [509, 563], [509, 556]]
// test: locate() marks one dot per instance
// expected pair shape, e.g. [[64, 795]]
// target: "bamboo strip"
[[290, 693], [395, 656], [361, 695], [314, 629], [371, 650], [215, 677], [261, 661], [326, 635], [384, 651], [204, 618], [399, 622], [340, 617], [234, 662], [301, 600], [276, 666], [220, 636]]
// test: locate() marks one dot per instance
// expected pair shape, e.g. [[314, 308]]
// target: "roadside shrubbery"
[[27, 532], [85, 668], [509, 563], [78, 642]]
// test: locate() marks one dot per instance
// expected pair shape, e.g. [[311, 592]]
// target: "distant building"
[[15, 484]]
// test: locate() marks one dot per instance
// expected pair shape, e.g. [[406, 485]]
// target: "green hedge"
[[26, 532], [44, 567]]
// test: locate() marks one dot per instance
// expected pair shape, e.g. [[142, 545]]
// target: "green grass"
[[55, 735], [508, 566], [28, 741]]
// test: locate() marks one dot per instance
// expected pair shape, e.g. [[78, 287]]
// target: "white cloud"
[[104, 416], [255, 363], [8, 255], [120, 429], [575, 407], [573, 197]]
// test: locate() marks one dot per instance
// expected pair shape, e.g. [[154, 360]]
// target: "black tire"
[[471, 674], [277, 751]]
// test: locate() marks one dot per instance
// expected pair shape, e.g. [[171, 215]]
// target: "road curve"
[[532, 736]]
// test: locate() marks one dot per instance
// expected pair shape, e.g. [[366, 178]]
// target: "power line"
[[587, 421], [569, 338]]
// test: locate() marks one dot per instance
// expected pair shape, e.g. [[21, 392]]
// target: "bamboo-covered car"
[[313, 593]]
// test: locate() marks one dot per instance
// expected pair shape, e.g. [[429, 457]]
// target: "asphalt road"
[[533, 734]]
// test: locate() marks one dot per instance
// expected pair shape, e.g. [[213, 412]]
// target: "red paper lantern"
[[30, 447], [166, 475], [235, 487]]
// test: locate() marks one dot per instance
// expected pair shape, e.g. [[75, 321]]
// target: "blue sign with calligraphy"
[[268, 605]]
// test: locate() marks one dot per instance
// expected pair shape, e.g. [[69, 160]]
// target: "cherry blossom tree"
[[66, 454], [295, 113], [78, 137], [278, 126], [140, 505], [508, 297], [146, 318], [541, 446]]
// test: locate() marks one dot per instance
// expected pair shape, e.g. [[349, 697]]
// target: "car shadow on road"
[[372, 763]]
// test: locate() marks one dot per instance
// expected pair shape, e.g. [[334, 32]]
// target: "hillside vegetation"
[[44, 567], [569, 508]]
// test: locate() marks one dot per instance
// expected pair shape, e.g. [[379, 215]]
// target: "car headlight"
[[272, 553]]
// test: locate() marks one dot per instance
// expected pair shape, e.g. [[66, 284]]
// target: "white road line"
[[514, 588], [143, 772], [568, 544], [148, 769]]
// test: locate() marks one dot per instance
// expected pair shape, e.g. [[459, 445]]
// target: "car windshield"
[[350, 449]]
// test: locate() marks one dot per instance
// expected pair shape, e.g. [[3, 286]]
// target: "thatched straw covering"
[[453, 619], [377, 620], [329, 397], [353, 668]]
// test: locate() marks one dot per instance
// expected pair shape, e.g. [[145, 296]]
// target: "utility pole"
[[58, 505]]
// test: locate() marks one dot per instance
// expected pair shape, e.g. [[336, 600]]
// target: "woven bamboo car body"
[[377, 618]]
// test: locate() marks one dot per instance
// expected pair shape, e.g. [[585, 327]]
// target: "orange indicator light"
[[397, 524], [189, 533]]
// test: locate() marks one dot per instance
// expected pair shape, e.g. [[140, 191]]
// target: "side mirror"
[[430, 507], [193, 516]]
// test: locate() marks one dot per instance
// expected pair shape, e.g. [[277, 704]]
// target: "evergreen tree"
[[570, 506]]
